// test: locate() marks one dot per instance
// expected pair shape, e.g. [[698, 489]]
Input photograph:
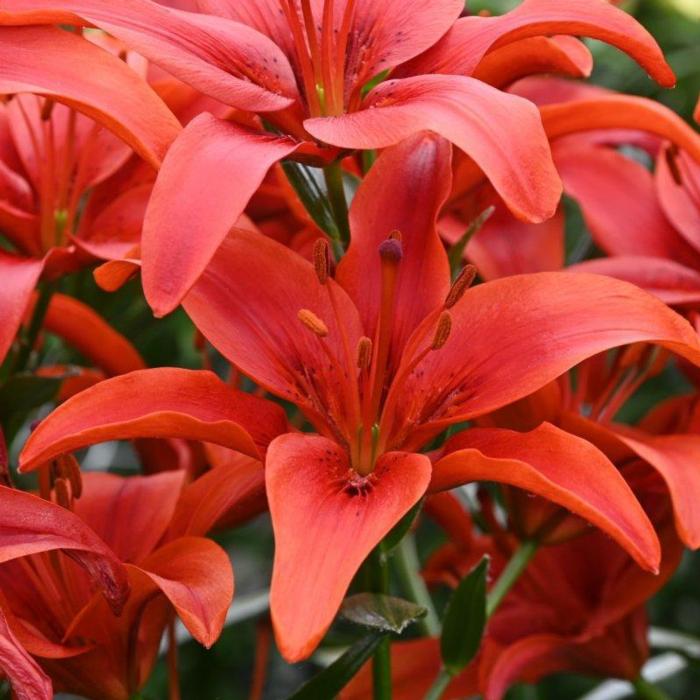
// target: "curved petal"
[[471, 38], [20, 277], [501, 132], [231, 493], [190, 212], [564, 55], [121, 510], [27, 679], [619, 112], [87, 332], [537, 655], [247, 305], [404, 191], [110, 92], [679, 205], [29, 525], [514, 335], [560, 467], [392, 32], [672, 282], [326, 521], [226, 60], [164, 402], [675, 457], [196, 576], [635, 225]]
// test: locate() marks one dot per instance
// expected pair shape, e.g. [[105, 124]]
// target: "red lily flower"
[[378, 370], [578, 607], [51, 607], [647, 220], [303, 64], [51, 155]]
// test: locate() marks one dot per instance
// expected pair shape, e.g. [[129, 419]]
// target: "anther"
[[321, 256], [460, 285], [63, 493], [47, 109], [443, 330], [672, 162], [67, 467], [364, 352], [391, 250], [313, 322]]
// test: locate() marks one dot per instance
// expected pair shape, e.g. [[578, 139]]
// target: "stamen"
[[47, 109], [67, 467], [322, 260], [364, 352], [460, 285], [671, 155], [63, 493], [443, 330], [313, 322]]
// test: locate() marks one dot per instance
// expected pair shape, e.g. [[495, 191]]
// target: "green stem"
[[439, 686], [516, 565], [648, 691], [333, 174], [405, 558], [40, 309], [381, 663]]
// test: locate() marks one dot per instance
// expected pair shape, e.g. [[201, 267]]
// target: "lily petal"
[[20, 277], [110, 92], [404, 191], [672, 282], [560, 467], [501, 132], [514, 335], [139, 526], [247, 305], [196, 576], [190, 213], [163, 402], [326, 520], [27, 679], [86, 331], [564, 55], [29, 525], [226, 60], [471, 38]]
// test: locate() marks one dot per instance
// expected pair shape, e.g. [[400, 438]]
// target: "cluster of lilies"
[[358, 204]]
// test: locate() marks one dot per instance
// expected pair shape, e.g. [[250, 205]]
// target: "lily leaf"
[[398, 532], [465, 619], [381, 612], [333, 679]]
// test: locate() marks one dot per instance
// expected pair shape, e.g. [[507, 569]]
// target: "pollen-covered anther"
[[364, 352], [464, 280], [391, 250], [313, 322], [62, 492], [321, 257], [443, 330]]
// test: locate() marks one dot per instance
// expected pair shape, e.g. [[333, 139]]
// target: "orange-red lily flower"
[[303, 65], [379, 360], [578, 607], [147, 560], [52, 154]]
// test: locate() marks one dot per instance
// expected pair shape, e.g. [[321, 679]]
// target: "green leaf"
[[381, 612], [398, 532], [465, 619], [24, 392], [332, 680]]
